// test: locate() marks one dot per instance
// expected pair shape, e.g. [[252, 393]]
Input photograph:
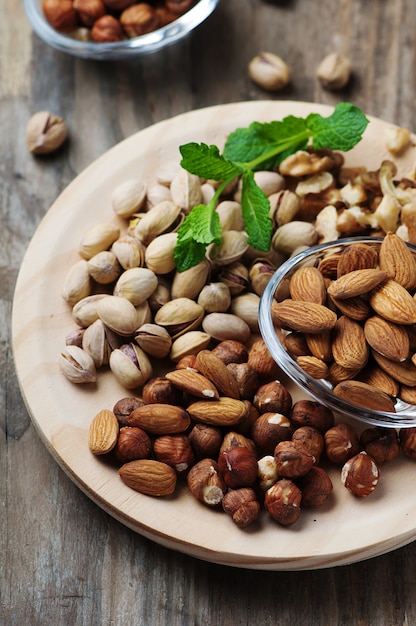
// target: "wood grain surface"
[[62, 559]]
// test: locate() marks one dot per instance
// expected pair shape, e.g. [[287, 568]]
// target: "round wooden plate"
[[344, 531]]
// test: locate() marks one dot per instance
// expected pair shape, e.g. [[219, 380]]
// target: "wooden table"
[[62, 559]]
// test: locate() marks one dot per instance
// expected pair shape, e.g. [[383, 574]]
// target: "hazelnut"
[[408, 441], [107, 29], [124, 407], [269, 429], [311, 413], [341, 443], [133, 443], [266, 472], [118, 5], [334, 71], [187, 362], [206, 483], [282, 501], [231, 351], [246, 377], [45, 133], [233, 440], [238, 467], [311, 439], [273, 397], [60, 14], [139, 19], [89, 10], [174, 450], [205, 440], [360, 475], [382, 444], [292, 459], [161, 390], [316, 486], [246, 424], [242, 506], [179, 6], [260, 359], [269, 71]]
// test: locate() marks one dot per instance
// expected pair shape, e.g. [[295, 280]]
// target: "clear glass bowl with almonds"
[[340, 320]]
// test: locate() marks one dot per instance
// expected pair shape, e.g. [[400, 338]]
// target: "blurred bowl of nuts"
[[115, 29], [339, 319]]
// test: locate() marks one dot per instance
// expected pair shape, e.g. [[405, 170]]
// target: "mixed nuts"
[[219, 418]]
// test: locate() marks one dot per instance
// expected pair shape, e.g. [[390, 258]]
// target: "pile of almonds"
[[106, 21], [353, 322], [239, 442]]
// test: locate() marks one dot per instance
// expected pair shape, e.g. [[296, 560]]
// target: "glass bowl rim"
[[136, 46], [318, 389]]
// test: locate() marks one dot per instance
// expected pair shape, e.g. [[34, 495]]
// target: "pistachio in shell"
[[85, 311], [130, 365], [104, 267], [179, 316], [130, 252], [246, 307], [159, 253], [234, 245], [215, 298], [136, 284], [154, 340], [77, 284], [235, 276], [77, 365], [222, 326], [119, 314], [189, 283], [128, 197], [98, 238], [95, 343], [185, 189], [161, 218], [189, 343]]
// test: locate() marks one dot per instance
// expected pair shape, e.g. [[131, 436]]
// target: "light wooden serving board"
[[344, 531]]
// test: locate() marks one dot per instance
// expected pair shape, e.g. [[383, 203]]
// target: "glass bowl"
[[321, 389], [130, 48]]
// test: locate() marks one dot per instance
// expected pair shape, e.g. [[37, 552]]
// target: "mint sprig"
[[259, 146]]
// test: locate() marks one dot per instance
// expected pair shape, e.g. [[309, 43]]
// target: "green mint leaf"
[[188, 253], [248, 144], [340, 131], [200, 228], [255, 208], [207, 162]]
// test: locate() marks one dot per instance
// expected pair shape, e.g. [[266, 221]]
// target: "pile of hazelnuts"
[[277, 457], [107, 21]]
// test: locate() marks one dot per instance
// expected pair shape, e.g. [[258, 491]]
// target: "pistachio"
[[233, 246], [269, 71], [45, 133], [231, 217], [161, 218], [144, 313], [222, 326], [215, 298], [130, 252], [334, 71], [154, 340], [95, 343], [246, 307], [136, 284], [186, 190], [284, 205], [235, 276], [98, 238], [77, 365], [160, 296], [159, 253], [179, 316], [104, 267], [290, 236], [189, 283], [260, 273], [85, 311], [118, 314], [157, 194], [269, 182], [128, 198], [130, 365], [77, 284], [189, 343]]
